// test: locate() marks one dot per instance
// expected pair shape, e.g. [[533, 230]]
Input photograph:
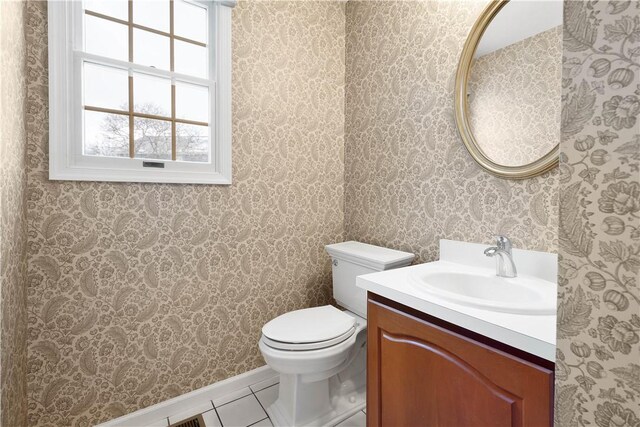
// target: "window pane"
[[192, 143], [106, 134], [106, 38], [152, 139], [192, 102], [152, 13], [106, 87], [151, 95], [190, 59], [150, 49], [190, 21], [115, 8]]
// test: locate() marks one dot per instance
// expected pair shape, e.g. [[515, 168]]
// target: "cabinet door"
[[420, 374]]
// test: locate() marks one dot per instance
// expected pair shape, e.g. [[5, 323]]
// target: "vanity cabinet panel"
[[422, 374]]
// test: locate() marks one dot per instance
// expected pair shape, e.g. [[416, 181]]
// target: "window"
[[140, 90]]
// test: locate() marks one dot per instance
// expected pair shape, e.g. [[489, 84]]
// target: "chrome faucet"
[[505, 266]]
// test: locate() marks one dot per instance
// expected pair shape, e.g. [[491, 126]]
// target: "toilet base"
[[324, 402], [319, 403], [299, 402]]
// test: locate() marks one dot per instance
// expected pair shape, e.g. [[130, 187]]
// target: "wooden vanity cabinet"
[[424, 372]]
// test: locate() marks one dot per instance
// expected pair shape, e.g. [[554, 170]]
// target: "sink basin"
[[481, 288]]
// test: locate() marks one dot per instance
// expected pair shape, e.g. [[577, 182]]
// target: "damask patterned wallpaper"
[[140, 292], [598, 358], [408, 179], [13, 222], [514, 102]]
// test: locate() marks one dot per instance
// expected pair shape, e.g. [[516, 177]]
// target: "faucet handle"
[[503, 243]]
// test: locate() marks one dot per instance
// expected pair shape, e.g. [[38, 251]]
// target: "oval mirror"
[[508, 88]]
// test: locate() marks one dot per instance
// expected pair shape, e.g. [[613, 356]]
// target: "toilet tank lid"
[[372, 256]]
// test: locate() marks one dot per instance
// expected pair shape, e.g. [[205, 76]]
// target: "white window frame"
[[66, 159]]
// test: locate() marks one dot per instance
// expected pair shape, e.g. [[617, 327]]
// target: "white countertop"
[[535, 334]]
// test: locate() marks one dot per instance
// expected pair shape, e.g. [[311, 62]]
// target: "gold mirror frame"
[[540, 166]]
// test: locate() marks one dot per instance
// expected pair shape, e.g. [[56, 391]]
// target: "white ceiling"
[[518, 20]]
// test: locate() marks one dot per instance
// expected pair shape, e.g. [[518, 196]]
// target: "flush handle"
[[335, 262]]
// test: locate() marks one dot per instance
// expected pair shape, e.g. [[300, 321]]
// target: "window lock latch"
[[153, 164]]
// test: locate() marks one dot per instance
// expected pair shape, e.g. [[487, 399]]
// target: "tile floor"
[[246, 407]]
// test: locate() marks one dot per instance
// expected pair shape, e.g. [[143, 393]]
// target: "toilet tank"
[[352, 259]]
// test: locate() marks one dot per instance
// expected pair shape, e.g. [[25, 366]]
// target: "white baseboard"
[[153, 414]]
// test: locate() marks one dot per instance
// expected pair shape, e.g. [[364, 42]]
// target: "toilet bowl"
[[320, 352]]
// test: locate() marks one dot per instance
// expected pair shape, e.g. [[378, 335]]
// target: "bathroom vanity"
[[423, 371], [452, 355]]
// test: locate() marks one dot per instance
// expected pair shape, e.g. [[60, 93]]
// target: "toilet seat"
[[309, 329]]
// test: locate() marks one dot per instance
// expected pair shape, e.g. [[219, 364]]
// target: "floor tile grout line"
[[260, 403], [269, 386], [251, 393], [215, 409], [231, 401], [217, 415], [255, 391], [266, 418]]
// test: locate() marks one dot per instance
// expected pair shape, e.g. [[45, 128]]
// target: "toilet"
[[320, 352]]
